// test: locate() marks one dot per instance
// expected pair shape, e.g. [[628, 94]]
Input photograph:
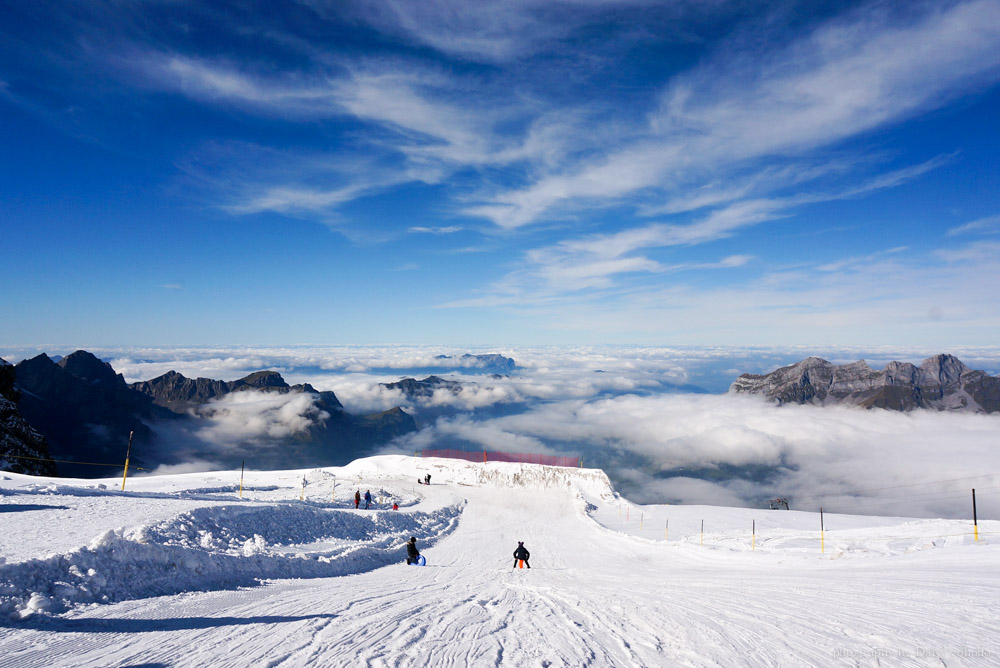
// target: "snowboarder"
[[357, 498], [522, 554], [368, 499], [427, 479], [412, 553]]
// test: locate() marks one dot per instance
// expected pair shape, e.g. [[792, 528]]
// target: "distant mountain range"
[[491, 362], [413, 388], [941, 382], [86, 410]]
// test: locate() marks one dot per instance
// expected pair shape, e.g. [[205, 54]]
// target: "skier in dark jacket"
[[412, 553], [521, 553], [368, 499]]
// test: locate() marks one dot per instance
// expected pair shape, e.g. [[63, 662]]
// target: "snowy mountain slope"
[[178, 558]]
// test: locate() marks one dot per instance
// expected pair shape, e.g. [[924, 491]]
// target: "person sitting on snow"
[[521, 553], [412, 553]]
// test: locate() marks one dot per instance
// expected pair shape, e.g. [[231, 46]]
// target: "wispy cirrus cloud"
[[844, 79], [447, 229], [987, 225]]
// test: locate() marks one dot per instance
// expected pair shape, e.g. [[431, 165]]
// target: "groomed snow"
[[179, 570]]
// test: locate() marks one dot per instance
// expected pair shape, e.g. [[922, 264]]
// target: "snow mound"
[[483, 474], [216, 548]]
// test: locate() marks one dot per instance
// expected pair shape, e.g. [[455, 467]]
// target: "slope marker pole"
[[753, 532], [128, 453], [242, 467], [666, 530], [975, 521], [822, 530], [702, 541]]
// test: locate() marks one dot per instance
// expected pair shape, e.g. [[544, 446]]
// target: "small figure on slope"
[[521, 554], [395, 506], [412, 553], [357, 498], [368, 499], [427, 479]]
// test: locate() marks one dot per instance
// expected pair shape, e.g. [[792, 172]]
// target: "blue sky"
[[517, 172]]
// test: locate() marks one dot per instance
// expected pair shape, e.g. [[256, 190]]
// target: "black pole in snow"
[[975, 521]]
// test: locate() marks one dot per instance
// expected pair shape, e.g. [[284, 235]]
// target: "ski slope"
[[181, 571]]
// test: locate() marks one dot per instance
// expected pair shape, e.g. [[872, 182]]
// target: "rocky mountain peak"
[[263, 379], [941, 382], [87, 366]]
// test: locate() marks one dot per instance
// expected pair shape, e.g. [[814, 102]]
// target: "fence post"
[[128, 453], [975, 521]]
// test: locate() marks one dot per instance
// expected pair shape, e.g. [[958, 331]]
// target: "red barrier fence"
[[523, 457]]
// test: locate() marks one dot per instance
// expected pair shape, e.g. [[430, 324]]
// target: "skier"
[[412, 553], [521, 553], [368, 499], [427, 479], [357, 498], [395, 506]]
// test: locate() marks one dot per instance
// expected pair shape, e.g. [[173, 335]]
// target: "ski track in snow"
[[201, 578]]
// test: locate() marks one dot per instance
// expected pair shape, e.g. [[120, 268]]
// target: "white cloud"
[[988, 225], [252, 416], [450, 229]]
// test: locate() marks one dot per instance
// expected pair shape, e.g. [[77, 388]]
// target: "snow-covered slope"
[[178, 570]]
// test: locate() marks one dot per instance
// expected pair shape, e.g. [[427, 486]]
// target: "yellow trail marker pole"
[[242, 468], [822, 530], [302, 495], [975, 521], [128, 453]]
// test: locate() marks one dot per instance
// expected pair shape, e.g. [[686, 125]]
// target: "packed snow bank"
[[483, 474], [216, 548]]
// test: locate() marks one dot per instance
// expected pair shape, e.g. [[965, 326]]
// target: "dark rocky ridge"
[[22, 449], [86, 411], [941, 382], [413, 388], [180, 394]]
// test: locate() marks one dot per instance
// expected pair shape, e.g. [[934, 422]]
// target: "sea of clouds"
[[657, 419]]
